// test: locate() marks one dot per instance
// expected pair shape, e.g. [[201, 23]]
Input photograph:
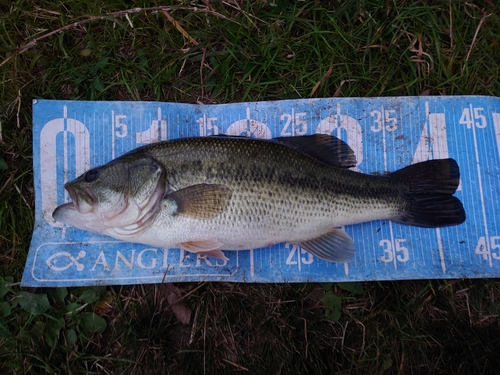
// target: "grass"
[[219, 52]]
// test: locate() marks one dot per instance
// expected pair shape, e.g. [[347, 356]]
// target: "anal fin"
[[335, 246], [209, 247]]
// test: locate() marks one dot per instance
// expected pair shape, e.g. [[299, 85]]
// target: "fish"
[[209, 194]]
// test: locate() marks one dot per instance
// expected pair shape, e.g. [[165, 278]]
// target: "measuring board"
[[70, 137]]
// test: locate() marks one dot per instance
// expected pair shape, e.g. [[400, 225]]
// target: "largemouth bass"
[[218, 193]]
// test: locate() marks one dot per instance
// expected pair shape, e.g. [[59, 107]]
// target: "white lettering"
[[141, 264], [200, 257], [184, 255], [101, 259], [123, 130], [128, 263], [307, 260], [165, 259]]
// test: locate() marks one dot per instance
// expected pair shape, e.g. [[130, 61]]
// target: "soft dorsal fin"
[[203, 201], [323, 147]]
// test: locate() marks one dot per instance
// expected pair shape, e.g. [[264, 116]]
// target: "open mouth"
[[83, 199]]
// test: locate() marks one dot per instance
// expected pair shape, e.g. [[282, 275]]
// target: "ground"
[[220, 52]]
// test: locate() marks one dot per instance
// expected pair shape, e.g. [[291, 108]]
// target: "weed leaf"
[[52, 331], [91, 323], [102, 63], [72, 307], [354, 288], [327, 286], [71, 337], [181, 311], [333, 305], [5, 309], [3, 289], [35, 304], [92, 294], [98, 85], [58, 294], [4, 330]]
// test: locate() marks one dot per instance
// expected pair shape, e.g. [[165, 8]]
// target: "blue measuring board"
[[70, 137]]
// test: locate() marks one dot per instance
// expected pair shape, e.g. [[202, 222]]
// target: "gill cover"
[[119, 197]]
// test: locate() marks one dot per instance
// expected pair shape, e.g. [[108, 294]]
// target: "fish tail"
[[429, 202]]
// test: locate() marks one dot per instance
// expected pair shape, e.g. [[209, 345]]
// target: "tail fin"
[[430, 202]]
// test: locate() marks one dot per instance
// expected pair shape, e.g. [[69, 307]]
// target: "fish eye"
[[91, 175]]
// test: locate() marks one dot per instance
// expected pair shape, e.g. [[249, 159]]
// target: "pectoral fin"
[[335, 246], [203, 201], [207, 247]]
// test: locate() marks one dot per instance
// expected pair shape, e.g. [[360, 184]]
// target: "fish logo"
[[59, 258]]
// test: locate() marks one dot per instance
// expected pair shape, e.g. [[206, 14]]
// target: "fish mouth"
[[83, 198], [61, 212]]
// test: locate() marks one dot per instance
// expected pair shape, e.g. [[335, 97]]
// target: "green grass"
[[219, 52]]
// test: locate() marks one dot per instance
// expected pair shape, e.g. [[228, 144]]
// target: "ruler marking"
[[481, 195], [437, 127], [112, 134]]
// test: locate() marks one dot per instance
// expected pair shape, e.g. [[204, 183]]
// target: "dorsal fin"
[[323, 147]]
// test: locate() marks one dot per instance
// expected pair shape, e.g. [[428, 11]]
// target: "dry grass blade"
[[318, 84], [179, 27]]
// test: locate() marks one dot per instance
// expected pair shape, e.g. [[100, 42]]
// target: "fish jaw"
[[83, 198], [129, 219], [69, 214], [119, 199]]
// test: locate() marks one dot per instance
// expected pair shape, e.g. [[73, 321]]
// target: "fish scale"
[[264, 181], [224, 193]]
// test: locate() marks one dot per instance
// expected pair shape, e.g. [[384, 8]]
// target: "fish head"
[[121, 196]]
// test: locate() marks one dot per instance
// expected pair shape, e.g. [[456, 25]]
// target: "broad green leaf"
[[91, 322], [73, 306], [35, 304], [102, 63], [52, 330], [387, 364], [5, 309], [327, 286], [98, 84], [4, 329], [3, 289], [71, 337], [3, 164], [58, 294], [92, 294], [354, 288], [333, 305]]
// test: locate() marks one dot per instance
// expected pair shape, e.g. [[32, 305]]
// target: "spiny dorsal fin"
[[203, 201], [323, 147]]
